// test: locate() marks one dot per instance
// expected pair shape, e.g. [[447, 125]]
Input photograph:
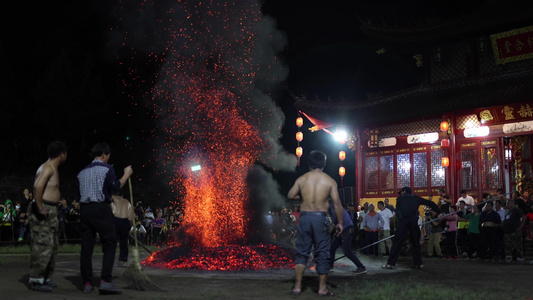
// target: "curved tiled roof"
[[426, 102]]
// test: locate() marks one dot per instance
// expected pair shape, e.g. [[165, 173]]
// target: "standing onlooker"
[[444, 201], [499, 238], [43, 219], [372, 223], [462, 229], [435, 234], [473, 232], [23, 216], [345, 239], [520, 203], [407, 206], [451, 234], [512, 232], [360, 217], [392, 209], [384, 232], [490, 221], [469, 201], [123, 213], [96, 183]]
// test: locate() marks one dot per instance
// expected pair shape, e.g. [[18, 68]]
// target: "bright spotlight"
[[341, 135], [196, 168]]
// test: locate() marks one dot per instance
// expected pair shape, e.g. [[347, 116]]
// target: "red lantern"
[[342, 171], [299, 136], [299, 152], [299, 122], [445, 162], [445, 143], [444, 126], [342, 155]]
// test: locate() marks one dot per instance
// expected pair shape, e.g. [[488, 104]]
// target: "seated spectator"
[[7, 221], [173, 222], [158, 229], [148, 218], [140, 231]]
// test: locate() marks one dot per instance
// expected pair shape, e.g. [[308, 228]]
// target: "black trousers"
[[97, 218], [489, 239], [406, 226], [123, 226]]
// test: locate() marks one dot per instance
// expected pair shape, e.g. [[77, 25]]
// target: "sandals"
[[387, 266], [327, 294], [295, 293]]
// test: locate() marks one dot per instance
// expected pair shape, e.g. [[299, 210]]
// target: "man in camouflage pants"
[[512, 228], [43, 219]]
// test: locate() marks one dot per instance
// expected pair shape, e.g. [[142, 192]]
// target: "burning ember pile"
[[212, 107], [224, 258]]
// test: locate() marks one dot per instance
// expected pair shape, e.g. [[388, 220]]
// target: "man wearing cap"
[[407, 211]]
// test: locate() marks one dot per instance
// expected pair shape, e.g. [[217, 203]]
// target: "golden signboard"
[[485, 143], [513, 45], [468, 145]]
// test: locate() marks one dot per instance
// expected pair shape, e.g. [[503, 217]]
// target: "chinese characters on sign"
[[513, 45]]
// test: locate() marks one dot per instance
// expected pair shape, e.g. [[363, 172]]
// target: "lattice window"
[[387, 172], [410, 128], [490, 170], [469, 121], [438, 173], [403, 169], [371, 173], [420, 169], [468, 169]]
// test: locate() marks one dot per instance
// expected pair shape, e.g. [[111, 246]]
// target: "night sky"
[[63, 71]]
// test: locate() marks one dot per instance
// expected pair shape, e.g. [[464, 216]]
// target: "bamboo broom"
[[134, 274]]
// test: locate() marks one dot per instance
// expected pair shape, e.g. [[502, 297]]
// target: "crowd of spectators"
[[151, 227], [495, 229]]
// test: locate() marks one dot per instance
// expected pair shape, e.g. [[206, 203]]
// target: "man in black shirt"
[[407, 211], [512, 232]]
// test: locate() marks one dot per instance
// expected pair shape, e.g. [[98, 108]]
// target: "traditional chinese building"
[[475, 62]]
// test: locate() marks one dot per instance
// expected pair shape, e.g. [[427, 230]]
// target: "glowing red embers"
[[223, 258]]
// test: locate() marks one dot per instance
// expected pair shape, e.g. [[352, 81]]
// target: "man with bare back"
[[43, 219], [314, 188], [123, 220]]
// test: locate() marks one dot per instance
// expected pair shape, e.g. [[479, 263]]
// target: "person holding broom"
[[96, 182]]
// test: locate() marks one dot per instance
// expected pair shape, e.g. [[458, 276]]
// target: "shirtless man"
[[123, 220], [314, 188], [43, 219]]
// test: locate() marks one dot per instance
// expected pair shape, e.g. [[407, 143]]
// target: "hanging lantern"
[[444, 126], [445, 162], [342, 172], [445, 143], [299, 136], [342, 155], [299, 152], [299, 122]]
